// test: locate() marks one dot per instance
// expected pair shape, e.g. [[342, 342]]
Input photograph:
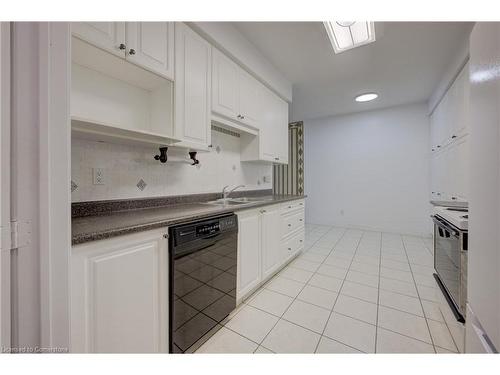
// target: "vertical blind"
[[289, 179]]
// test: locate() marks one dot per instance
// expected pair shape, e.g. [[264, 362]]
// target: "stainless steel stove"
[[450, 255]]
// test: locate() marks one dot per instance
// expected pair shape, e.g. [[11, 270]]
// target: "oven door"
[[447, 258]]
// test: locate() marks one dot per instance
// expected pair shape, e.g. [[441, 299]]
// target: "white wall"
[[370, 170], [125, 165]]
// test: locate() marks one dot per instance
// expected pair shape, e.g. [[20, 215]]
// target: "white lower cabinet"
[[272, 257], [265, 245], [119, 294], [248, 266]]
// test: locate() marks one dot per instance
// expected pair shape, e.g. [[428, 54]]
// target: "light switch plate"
[[98, 176]]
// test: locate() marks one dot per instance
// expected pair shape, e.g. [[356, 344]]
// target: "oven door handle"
[[442, 224]]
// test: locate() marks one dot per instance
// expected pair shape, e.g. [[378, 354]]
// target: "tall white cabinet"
[[483, 280], [449, 147], [119, 294]]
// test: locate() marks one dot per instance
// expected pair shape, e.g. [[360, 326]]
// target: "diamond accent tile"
[[141, 185]]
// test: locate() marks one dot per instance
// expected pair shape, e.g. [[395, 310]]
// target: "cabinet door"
[[105, 35], [151, 45], [225, 75], [271, 231], [119, 295], [193, 75], [282, 130], [268, 132], [249, 249], [461, 124], [458, 164], [249, 99]]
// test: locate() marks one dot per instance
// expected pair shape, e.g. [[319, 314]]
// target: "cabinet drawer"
[[292, 206], [294, 244], [293, 221]]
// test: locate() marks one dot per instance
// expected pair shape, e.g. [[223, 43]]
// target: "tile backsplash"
[[130, 171]]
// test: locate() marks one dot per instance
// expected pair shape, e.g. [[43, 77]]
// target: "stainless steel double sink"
[[238, 201]]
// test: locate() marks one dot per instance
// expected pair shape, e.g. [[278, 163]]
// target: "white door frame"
[[40, 184], [55, 181], [5, 245]]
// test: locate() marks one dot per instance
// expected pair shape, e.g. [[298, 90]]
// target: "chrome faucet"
[[225, 193]]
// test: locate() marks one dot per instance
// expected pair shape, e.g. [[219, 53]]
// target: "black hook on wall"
[[163, 155], [192, 156]]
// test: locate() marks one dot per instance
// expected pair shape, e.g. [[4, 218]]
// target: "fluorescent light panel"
[[345, 35]]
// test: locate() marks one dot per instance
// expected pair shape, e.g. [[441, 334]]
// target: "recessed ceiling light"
[[345, 35], [369, 96]]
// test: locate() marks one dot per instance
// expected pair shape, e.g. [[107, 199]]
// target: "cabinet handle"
[[122, 46], [300, 220], [289, 248], [433, 149], [454, 198], [289, 206], [242, 117], [263, 211], [453, 136], [289, 225], [165, 235], [276, 158], [131, 51], [438, 146], [301, 241]]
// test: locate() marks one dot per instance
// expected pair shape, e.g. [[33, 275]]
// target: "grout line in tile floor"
[[422, 306], [419, 299], [245, 302], [351, 255], [305, 284], [378, 291], [341, 286]]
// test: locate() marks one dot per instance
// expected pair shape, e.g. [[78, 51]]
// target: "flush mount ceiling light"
[[345, 35], [369, 96]]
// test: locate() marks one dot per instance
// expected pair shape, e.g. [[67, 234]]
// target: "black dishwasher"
[[202, 279]]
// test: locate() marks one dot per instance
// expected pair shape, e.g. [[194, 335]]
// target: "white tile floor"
[[350, 291]]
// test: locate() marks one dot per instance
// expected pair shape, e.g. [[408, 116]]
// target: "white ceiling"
[[404, 65]]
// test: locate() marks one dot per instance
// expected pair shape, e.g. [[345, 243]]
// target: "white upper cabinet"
[[450, 119], [271, 144], [193, 76], [109, 36], [462, 89], [151, 45], [449, 142], [235, 92], [249, 99], [225, 76]]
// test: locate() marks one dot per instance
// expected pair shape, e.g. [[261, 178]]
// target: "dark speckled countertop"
[[115, 223]]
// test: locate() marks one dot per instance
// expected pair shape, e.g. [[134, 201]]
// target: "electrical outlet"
[[267, 178], [98, 176]]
